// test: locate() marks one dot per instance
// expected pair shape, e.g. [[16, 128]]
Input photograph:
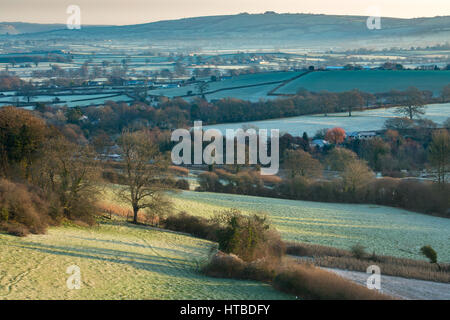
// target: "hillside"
[[117, 261], [270, 29], [13, 28]]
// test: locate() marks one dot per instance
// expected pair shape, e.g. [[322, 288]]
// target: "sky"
[[121, 12]]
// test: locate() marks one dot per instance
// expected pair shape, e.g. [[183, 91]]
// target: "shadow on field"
[[154, 263], [147, 246]]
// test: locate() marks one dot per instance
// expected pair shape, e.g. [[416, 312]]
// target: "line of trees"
[[349, 176], [46, 176]]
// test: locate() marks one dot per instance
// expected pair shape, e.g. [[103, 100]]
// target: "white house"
[[362, 135]]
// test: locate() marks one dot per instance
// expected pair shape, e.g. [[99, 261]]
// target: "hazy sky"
[[121, 12]]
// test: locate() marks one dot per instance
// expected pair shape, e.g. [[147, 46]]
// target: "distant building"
[[320, 143], [362, 135], [170, 85], [134, 82], [113, 157]]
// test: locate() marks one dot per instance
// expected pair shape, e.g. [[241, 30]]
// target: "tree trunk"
[[135, 214]]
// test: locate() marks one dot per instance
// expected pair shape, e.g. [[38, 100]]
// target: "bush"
[[196, 226], [314, 250], [309, 282], [223, 265], [330, 257], [429, 252], [23, 209], [249, 237], [358, 251], [182, 184], [305, 281]]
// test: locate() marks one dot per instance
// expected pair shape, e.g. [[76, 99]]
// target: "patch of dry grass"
[[302, 279], [309, 282], [343, 259]]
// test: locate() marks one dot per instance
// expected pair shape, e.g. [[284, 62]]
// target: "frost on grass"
[[385, 230], [117, 261]]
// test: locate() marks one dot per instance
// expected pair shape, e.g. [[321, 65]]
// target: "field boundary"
[[273, 91], [282, 82]]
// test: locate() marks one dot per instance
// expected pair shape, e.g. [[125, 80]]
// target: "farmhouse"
[[319, 143], [362, 135]]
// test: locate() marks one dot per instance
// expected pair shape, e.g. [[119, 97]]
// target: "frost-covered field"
[[242, 80], [373, 81], [251, 93], [385, 230], [359, 121], [117, 261], [70, 100]]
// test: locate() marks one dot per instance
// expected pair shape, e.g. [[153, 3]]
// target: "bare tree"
[[327, 102], [202, 87], [413, 103], [446, 93], [69, 171], [301, 163], [338, 158], [28, 90], [352, 100], [145, 172], [356, 175], [439, 154]]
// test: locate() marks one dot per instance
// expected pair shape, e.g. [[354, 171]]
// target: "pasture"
[[372, 81], [263, 83], [117, 261], [359, 121], [385, 230]]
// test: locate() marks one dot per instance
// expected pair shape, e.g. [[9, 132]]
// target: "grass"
[[295, 277], [343, 259], [385, 230], [254, 93], [360, 121], [117, 261]]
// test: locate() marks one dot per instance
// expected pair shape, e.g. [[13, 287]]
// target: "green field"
[[385, 230], [373, 81], [117, 261], [258, 80]]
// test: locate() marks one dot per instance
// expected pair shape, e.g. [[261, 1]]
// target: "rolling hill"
[[268, 29]]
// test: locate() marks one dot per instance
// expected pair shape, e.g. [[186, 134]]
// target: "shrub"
[[314, 250], [196, 226], [309, 282], [330, 257], [223, 265], [429, 252], [208, 181], [358, 251], [303, 280], [182, 184], [23, 209], [14, 229], [249, 237], [179, 170]]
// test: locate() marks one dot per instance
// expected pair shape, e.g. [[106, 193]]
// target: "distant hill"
[[270, 29], [14, 28]]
